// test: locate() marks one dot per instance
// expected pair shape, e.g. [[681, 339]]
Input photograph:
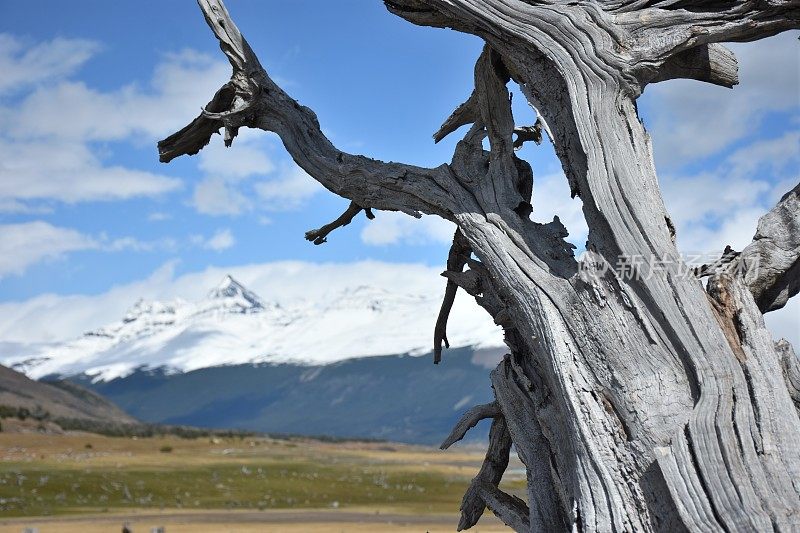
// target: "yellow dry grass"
[[85, 482]]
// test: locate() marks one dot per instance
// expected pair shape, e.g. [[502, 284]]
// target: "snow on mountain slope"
[[233, 325]]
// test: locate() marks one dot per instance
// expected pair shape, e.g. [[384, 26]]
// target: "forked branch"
[[252, 99], [494, 465]]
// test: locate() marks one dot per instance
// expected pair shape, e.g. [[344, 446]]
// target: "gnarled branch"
[[466, 113], [456, 259], [192, 138], [494, 465], [468, 421], [711, 63], [253, 99], [772, 260], [528, 133], [511, 510], [790, 365], [318, 236]]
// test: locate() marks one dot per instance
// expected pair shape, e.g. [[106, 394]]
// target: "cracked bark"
[[636, 401]]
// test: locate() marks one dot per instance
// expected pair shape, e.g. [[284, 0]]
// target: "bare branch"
[[456, 259], [192, 138], [727, 260], [469, 280], [468, 421], [466, 113], [664, 31], [318, 236], [508, 508], [494, 465], [253, 99], [790, 365], [773, 258], [528, 133], [513, 389], [711, 63]]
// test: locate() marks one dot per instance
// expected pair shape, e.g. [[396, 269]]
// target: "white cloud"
[[288, 190], [45, 150], [244, 158], [779, 156], [228, 172], [22, 245], [722, 206], [13, 207], [691, 120], [221, 240], [28, 243], [390, 227], [158, 216], [135, 245], [52, 317], [214, 196], [24, 64], [70, 172], [181, 84]]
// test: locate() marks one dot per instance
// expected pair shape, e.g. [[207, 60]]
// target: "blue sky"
[[88, 87]]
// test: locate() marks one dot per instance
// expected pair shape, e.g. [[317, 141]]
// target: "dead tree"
[[638, 399]]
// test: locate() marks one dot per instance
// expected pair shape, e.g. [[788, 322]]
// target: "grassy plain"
[[87, 482]]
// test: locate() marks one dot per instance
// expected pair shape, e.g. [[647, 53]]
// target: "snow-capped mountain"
[[233, 325]]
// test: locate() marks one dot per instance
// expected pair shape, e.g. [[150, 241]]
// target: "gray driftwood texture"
[[638, 399]]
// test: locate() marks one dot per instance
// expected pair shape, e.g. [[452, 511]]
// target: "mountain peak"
[[229, 288]]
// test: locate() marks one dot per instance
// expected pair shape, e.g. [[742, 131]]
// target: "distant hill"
[[323, 366], [398, 398], [60, 399]]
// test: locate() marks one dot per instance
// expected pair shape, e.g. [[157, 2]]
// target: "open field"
[[86, 482]]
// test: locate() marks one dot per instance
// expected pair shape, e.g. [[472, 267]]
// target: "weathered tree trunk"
[[637, 399]]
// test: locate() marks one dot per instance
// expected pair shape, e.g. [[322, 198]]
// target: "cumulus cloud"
[[45, 138], [690, 120], [13, 207], [391, 227], [158, 216], [722, 206], [69, 171], [236, 177], [221, 240], [26, 244], [289, 189], [246, 157], [215, 196], [72, 110], [24, 64], [22, 245]]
